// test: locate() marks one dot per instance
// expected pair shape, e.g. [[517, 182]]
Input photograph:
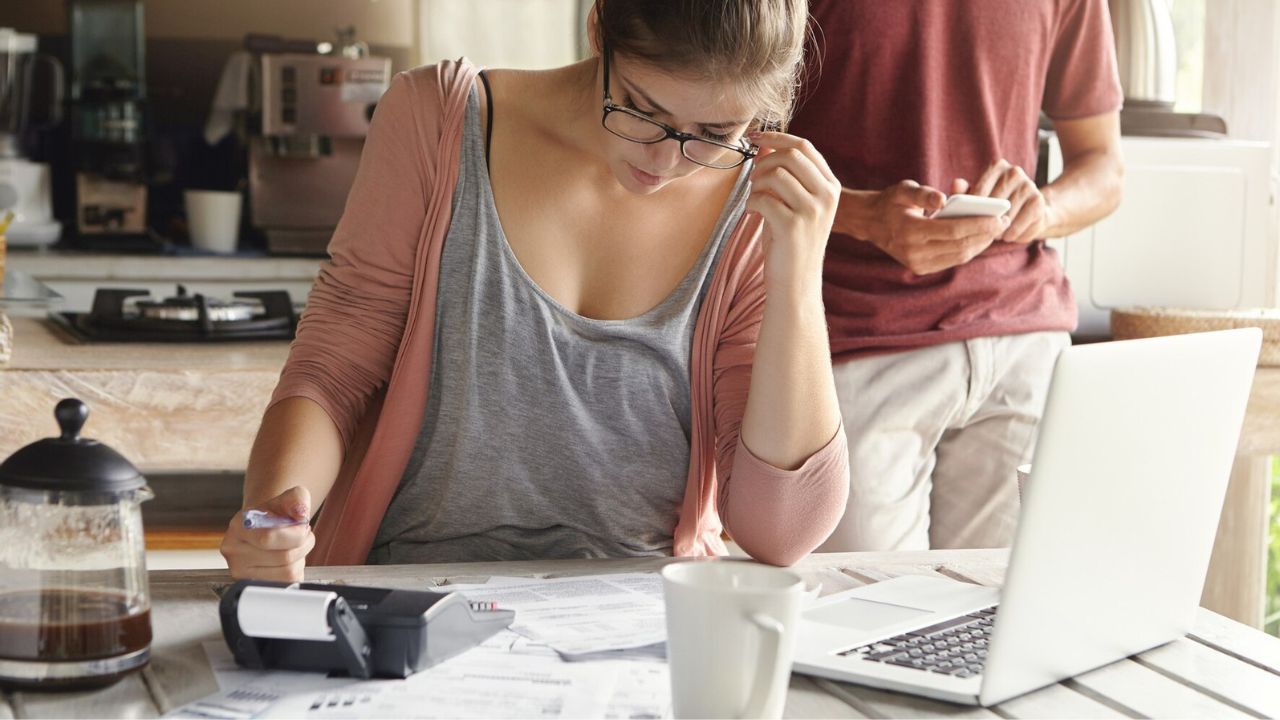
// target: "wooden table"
[[1224, 669]]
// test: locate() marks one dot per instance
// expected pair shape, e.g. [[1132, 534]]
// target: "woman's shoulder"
[[436, 83], [425, 101]]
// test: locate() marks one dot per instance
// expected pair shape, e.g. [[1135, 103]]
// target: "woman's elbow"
[[784, 538], [771, 554]]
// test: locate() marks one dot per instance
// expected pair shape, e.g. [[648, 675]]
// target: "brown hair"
[[757, 44]]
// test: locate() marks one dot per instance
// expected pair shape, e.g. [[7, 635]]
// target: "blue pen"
[[261, 519]]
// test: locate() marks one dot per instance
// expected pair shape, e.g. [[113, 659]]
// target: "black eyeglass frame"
[[744, 153]]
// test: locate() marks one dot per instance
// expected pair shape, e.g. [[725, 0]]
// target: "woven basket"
[[1129, 323]]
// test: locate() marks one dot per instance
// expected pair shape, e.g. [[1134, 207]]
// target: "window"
[[527, 34], [1188, 32]]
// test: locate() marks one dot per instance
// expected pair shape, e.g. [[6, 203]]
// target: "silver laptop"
[[1117, 522]]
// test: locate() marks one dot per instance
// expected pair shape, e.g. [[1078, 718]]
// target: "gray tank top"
[[546, 434]]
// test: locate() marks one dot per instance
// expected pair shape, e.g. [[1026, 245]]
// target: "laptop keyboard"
[[956, 647]]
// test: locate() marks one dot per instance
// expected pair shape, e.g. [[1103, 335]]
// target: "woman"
[[569, 313]]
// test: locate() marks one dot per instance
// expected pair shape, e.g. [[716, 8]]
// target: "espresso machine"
[[24, 185], [313, 111]]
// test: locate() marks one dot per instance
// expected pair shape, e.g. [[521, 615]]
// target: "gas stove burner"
[[188, 307], [185, 317]]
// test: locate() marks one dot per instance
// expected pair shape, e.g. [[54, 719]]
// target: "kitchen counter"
[[38, 345], [77, 275], [166, 407], [79, 265]]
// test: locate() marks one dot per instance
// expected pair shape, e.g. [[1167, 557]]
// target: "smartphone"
[[959, 206]]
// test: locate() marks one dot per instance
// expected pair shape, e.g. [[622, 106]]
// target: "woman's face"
[[709, 109]]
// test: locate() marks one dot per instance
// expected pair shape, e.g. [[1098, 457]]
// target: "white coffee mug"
[[213, 217], [731, 637]]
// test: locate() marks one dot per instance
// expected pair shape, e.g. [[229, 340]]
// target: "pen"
[[261, 519]]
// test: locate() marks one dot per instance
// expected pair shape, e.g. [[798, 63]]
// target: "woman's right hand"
[[271, 553]]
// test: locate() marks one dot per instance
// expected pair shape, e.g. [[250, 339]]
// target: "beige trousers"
[[935, 437]]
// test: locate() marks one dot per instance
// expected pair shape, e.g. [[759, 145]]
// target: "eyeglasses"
[[633, 125]]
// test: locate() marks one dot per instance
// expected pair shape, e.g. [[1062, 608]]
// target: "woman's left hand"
[[795, 191]]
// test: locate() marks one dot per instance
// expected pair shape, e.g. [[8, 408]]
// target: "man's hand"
[[1030, 212], [922, 245]]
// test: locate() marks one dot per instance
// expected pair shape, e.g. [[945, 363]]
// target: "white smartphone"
[[959, 206]]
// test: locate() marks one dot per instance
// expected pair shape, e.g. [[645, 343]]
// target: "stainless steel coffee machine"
[[315, 112]]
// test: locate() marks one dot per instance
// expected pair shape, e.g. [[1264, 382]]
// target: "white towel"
[[231, 96]]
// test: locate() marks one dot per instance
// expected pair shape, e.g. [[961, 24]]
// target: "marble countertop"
[[38, 345], [166, 407], [64, 265]]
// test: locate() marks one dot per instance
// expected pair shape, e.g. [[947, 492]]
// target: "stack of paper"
[[580, 617], [581, 647]]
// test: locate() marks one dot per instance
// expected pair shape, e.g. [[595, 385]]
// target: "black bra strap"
[[488, 100]]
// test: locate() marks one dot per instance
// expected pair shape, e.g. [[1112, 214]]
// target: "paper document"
[[250, 693], [582, 615], [481, 683], [580, 647], [508, 676]]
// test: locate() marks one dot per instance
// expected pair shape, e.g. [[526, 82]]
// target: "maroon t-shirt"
[[933, 90]]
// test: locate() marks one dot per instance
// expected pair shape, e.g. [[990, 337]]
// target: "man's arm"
[[1088, 189], [1091, 182], [859, 213]]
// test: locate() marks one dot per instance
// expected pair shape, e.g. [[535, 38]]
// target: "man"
[[945, 332]]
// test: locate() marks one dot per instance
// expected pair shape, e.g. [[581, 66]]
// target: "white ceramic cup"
[[213, 217], [731, 637]]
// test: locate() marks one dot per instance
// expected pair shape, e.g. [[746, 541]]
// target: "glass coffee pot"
[[74, 606]]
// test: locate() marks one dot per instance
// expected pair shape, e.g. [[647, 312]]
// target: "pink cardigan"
[[364, 349]]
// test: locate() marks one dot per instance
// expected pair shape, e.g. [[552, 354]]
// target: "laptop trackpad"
[[863, 615]]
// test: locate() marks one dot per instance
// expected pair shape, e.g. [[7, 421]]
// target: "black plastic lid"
[[70, 462]]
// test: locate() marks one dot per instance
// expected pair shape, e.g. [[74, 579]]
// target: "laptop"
[[1109, 559]]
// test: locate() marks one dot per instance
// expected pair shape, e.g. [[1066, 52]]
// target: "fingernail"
[[754, 134]]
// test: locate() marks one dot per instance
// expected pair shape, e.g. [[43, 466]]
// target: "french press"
[[74, 607]]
